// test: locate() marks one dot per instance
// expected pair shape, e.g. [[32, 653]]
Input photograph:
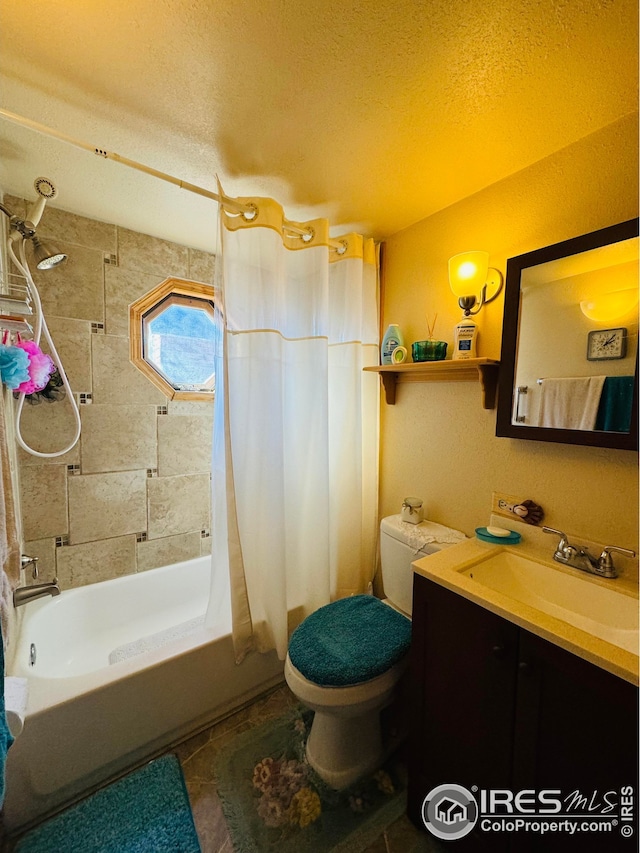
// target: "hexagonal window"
[[172, 338]]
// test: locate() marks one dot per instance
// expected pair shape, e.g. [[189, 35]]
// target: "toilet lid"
[[349, 641]]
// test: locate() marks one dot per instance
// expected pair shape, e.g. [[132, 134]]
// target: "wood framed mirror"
[[569, 364]]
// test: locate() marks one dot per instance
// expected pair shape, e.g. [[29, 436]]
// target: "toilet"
[[345, 659]]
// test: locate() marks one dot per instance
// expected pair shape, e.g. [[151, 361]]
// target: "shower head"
[[46, 191], [46, 255], [45, 188], [25, 229]]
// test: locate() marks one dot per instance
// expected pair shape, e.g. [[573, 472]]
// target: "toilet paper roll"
[[16, 695]]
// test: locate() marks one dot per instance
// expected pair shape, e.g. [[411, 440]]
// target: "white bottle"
[[392, 339], [466, 334]]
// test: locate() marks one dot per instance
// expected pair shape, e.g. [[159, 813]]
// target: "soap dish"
[[512, 539]]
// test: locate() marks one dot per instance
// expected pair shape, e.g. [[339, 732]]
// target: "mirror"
[[569, 366]]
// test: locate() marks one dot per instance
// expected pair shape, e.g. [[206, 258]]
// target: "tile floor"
[[197, 755], [197, 758]]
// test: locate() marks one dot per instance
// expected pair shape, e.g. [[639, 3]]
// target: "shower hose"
[[40, 329]]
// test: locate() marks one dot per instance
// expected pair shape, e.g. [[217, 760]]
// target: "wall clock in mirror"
[[606, 343]]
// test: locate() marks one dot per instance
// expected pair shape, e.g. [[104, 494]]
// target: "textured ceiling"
[[375, 114]]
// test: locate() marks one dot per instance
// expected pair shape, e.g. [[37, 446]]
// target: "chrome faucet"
[[580, 558], [25, 594]]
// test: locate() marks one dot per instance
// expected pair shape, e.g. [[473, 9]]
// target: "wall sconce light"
[[610, 306], [469, 274]]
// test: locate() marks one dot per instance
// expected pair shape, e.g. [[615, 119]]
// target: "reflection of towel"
[[614, 413], [570, 403]]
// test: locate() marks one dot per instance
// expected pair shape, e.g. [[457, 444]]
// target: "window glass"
[[171, 333], [178, 338]]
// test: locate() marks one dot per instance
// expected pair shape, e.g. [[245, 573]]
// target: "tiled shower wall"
[[134, 493]]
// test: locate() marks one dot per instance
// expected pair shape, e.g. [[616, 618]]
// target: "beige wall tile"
[[151, 254], [48, 427], [205, 545], [112, 499], [76, 287], [102, 506], [121, 288], [45, 551], [115, 379], [72, 339], [168, 550], [184, 445], [43, 499], [118, 438], [202, 408], [17, 205], [92, 562], [61, 225], [178, 504], [202, 266]]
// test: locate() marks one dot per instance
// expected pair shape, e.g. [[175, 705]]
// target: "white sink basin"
[[601, 611]]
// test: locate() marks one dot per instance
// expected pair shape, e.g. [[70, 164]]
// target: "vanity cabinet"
[[495, 706]]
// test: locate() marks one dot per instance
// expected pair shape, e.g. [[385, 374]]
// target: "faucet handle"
[[563, 544], [25, 561], [605, 563]]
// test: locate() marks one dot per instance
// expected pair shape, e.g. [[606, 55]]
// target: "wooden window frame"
[[140, 309]]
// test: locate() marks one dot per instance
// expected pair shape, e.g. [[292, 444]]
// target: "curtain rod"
[[110, 155], [230, 204]]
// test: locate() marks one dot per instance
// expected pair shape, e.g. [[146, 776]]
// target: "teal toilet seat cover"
[[349, 641]]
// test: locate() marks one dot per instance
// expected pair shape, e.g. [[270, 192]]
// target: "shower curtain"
[[295, 449]]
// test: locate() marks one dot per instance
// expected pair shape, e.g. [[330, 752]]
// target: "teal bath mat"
[[273, 801], [145, 812]]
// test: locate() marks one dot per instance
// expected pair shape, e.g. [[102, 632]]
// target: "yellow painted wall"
[[438, 442]]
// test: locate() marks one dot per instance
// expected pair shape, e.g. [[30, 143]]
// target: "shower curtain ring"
[[251, 213]]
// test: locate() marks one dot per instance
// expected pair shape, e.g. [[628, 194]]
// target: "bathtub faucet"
[[25, 594]]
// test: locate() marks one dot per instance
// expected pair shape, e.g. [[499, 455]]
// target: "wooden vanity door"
[[576, 725], [463, 679]]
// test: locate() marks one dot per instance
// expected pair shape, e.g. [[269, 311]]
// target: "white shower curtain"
[[294, 473]]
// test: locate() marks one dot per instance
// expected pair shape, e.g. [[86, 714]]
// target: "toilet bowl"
[[345, 659], [346, 673]]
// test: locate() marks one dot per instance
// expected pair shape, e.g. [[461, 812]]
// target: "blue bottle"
[[392, 339]]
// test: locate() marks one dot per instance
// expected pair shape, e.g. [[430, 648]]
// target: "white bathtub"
[[87, 719]]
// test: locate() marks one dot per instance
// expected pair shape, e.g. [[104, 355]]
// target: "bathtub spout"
[[25, 594]]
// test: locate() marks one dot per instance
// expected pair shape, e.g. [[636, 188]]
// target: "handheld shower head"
[[45, 188], [25, 229], [46, 191]]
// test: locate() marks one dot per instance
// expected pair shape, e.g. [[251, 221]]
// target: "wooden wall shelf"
[[484, 370]]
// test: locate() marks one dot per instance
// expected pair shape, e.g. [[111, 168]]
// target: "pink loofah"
[[41, 366]]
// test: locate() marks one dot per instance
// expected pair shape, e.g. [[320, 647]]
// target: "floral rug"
[[273, 800]]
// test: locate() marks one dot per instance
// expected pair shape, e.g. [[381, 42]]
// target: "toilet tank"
[[401, 544]]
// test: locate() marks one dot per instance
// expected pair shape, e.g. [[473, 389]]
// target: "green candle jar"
[[429, 350]]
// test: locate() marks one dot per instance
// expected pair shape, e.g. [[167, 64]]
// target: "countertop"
[[445, 568]]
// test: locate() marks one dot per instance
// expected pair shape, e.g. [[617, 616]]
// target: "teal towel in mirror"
[[614, 411]]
